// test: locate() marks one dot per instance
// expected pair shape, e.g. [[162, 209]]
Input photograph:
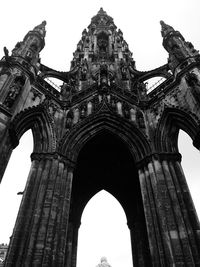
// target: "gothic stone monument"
[[105, 129]]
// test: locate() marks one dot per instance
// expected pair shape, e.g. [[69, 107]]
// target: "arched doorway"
[[105, 162]]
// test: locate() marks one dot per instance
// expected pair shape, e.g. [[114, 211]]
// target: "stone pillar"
[[139, 242], [39, 236], [21, 229], [171, 220], [6, 148], [75, 244], [69, 245], [72, 244]]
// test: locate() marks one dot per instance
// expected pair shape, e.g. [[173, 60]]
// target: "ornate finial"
[[41, 28], [165, 28], [102, 12], [6, 52]]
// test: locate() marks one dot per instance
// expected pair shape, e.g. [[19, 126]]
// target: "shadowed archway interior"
[[105, 162]]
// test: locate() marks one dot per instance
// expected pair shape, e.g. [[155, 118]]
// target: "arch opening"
[[173, 120], [13, 184], [105, 162], [104, 232], [190, 165]]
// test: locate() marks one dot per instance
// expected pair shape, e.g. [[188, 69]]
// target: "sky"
[[139, 22]]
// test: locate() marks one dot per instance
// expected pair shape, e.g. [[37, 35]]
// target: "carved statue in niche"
[[124, 70], [14, 91], [126, 110], [140, 119], [95, 102], [12, 95], [70, 116], [142, 89], [65, 90], [83, 70], [102, 42], [72, 82], [131, 67], [83, 110], [79, 46], [103, 263], [113, 102], [125, 46], [104, 75]]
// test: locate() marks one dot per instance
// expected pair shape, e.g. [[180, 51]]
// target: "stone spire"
[[102, 20], [102, 54], [165, 28], [41, 29], [180, 52], [102, 12], [33, 42]]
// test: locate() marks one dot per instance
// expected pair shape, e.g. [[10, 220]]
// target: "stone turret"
[[28, 50], [181, 53], [19, 70]]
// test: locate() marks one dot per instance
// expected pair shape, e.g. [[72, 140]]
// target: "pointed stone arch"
[[40, 122], [113, 170], [105, 213], [173, 119], [133, 137]]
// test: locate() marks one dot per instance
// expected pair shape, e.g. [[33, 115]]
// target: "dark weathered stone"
[[104, 129]]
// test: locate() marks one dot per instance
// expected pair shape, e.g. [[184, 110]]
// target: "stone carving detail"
[[191, 79], [126, 110], [124, 70], [70, 116], [83, 110], [140, 119], [36, 94], [103, 77], [83, 71], [14, 91], [142, 90], [65, 90]]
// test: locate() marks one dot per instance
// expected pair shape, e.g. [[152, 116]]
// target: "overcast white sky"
[[139, 21]]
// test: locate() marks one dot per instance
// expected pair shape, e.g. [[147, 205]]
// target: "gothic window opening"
[[190, 165], [104, 232], [13, 185]]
